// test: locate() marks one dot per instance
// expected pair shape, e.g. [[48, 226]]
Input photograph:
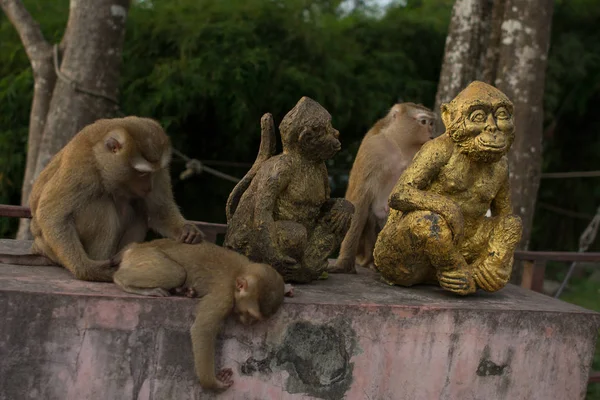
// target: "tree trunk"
[[521, 76], [505, 43], [86, 86], [463, 51]]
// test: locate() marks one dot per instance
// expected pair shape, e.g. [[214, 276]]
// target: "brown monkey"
[[102, 191], [386, 150], [227, 281]]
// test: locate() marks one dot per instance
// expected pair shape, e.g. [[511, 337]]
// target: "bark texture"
[[86, 86], [505, 43]]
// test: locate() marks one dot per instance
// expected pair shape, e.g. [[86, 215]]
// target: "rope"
[[578, 174], [585, 240], [74, 84], [195, 167]]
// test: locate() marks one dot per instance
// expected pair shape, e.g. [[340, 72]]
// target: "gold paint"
[[437, 230]]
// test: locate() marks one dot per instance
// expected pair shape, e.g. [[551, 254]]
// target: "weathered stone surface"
[[348, 337], [281, 212]]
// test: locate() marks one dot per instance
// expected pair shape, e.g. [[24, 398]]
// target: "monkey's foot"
[[343, 267], [288, 290], [457, 281], [184, 291], [154, 292], [224, 378]]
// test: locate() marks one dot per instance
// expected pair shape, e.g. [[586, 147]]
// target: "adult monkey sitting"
[[437, 230], [102, 191]]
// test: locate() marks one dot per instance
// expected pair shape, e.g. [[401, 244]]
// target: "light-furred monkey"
[[227, 282], [102, 191], [385, 151]]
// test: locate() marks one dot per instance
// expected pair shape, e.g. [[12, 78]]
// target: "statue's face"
[[480, 122], [320, 143]]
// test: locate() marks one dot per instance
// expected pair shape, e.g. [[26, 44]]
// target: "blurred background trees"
[[209, 69]]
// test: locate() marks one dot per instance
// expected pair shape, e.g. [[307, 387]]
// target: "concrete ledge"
[[348, 337]]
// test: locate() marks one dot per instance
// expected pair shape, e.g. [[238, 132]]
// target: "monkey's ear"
[[306, 133], [113, 144], [396, 108], [241, 284], [114, 141], [446, 114]]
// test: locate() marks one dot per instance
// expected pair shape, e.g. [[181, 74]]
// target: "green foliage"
[[16, 92], [210, 76], [208, 70]]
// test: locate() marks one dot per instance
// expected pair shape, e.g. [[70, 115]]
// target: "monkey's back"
[[205, 263]]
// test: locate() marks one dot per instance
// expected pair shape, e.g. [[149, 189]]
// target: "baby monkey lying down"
[[226, 281]]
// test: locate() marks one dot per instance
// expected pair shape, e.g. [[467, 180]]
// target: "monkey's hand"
[[457, 281], [288, 290], [223, 379], [490, 279], [110, 264], [190, 234]]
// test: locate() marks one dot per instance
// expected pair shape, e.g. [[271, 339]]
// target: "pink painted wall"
[[349, 337]]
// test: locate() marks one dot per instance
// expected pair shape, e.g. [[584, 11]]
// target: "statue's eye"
[[478, 116], [502, 113]]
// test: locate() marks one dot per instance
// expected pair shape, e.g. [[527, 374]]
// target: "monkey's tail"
[[35, 260], [268, 143]]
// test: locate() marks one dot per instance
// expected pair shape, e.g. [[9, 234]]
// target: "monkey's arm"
[[210, 314], [410, 192], [501, 205], [54, 217], [164, 215]]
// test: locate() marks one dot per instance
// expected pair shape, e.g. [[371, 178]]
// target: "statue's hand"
[[490, 279], [457, 281], [338, 215]]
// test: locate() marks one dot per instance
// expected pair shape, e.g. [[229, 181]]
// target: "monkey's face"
[[320, 144], [141, 183], [425, 122], [246, 297], [129, 167]]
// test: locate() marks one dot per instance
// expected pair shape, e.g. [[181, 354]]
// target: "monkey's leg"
[[346, 262], [407, 251], [493, 269], [149, 272], [364, 257]]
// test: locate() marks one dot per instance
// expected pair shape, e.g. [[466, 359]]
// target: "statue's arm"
[[410, 192], [501, 204]]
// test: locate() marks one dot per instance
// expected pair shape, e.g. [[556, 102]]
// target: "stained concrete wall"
[[349, 337]]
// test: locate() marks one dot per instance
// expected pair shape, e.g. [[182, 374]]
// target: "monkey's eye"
[[477, 116], [502, 113], [423, 122]]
